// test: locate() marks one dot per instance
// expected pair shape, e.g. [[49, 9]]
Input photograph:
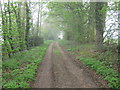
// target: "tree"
[[100, 21], [74, 17], [16, 28], [27, 24]]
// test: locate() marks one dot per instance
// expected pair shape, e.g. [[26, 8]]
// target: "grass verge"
[[21, 69], [109, 74], [105, 63]]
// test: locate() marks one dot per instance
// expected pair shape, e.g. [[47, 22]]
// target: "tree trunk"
[[27, 24], [100, 17], [119, 38], [10, 28], [5, 49]]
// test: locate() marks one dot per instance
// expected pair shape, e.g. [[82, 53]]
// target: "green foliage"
[[69, 49], [109, 74], [72, 18], [11, 64], [35, 41], [16, 26], [51, 33], [14, 84], [103, 63], [19, 72]]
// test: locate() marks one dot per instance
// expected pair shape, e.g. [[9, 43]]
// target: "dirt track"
[[58, 70]]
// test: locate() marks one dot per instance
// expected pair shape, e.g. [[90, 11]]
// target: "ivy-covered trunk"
[[100, 22], [27, 25]]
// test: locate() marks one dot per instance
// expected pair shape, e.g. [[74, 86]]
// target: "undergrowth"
[[104, 63], [19, 70], [109, 74]]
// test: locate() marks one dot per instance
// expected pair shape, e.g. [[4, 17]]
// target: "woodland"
[[88, 30]]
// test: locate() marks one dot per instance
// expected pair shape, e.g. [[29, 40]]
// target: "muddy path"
[[58, 70]]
